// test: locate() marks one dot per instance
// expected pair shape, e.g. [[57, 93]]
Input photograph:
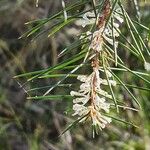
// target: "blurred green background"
[[36, 125]]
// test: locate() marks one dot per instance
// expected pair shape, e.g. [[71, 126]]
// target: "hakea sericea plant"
[[90, 102]]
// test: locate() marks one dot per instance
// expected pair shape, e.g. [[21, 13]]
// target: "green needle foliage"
[[111, 59]]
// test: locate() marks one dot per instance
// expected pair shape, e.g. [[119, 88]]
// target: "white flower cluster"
[[147, 66], [91, 99], [107, 33]]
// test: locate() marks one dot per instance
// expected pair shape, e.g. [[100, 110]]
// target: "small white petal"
[[86, 21], [116, 25], [104, 93], [110, 41], [105, 82], [113, 82], [82, 78], [81, 37], [147, 66], [108, 73], [101, 104], [74, 93], [119, 18], [82, 100], [108, 31], [85, 87], [88, 33], [80, 110]]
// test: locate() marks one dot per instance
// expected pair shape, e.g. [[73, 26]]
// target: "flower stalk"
[[90, 100]]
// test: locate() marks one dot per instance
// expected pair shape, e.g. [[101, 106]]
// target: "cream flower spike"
[[99, 35], [90, 102], [83, 97], [87, 19]]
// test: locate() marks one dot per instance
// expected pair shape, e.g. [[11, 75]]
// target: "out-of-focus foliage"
[[32, 124]]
